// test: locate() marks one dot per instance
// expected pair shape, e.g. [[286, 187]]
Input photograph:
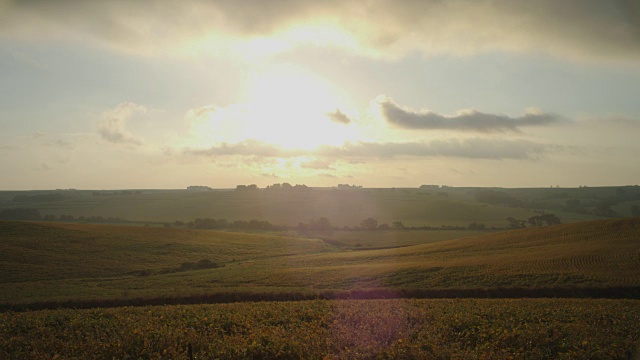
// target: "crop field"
[[62, 266], [364, 329], [65, 262]]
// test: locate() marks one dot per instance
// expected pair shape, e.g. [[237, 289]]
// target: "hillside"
[[413, 207], [51, 261], [596, 253]]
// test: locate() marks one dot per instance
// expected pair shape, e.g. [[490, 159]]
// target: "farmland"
[[365, 329], [63, 262], [84, 277], [433, 207]]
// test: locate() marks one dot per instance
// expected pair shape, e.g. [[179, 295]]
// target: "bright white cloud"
[[112, 124]]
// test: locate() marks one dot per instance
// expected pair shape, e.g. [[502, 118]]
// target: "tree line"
[[321, 224]]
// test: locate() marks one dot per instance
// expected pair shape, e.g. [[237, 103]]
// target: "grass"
[[64, 262]]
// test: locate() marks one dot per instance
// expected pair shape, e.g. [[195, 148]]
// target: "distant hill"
[[426, 206]]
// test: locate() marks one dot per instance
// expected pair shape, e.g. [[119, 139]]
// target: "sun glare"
[[289, 107]]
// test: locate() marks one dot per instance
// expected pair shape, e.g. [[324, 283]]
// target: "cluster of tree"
[[537, 220], [91, 219], [348, 187], [321, 224], [590, 203], [34, 215], [251, 187], [603, 208], [287, 187], [39, 197], [274, 187], [371, 224], [209, 223]]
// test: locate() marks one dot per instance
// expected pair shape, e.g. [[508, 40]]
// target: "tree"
[[369, 224], [476, 226], [515, 223], [322, 224], [604, 209], [398, 225], [544, 219], [550, 219]]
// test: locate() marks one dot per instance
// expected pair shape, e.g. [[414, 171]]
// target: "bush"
[[200, 265]]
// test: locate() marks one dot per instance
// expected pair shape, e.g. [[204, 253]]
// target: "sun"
[[290, 107]]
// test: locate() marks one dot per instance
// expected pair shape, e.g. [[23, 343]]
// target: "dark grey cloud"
[[339, 117], [470, 120], [578, 29]]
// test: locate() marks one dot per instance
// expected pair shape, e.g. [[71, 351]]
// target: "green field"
[[363, 329], [413, 207]]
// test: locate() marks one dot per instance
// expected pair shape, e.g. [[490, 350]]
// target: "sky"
[[168, 94]]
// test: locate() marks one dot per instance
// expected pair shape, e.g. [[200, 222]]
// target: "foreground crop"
[[526, 328]]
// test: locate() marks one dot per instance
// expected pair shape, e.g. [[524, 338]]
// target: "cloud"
[[339, 117], [623, 122], [466, 120], [470, 148], [111, 126], [354, 152], [577, 29], [248, 147], [317, 164], [201, 111]]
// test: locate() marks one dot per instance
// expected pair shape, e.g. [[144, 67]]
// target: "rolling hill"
[[63, 262]]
